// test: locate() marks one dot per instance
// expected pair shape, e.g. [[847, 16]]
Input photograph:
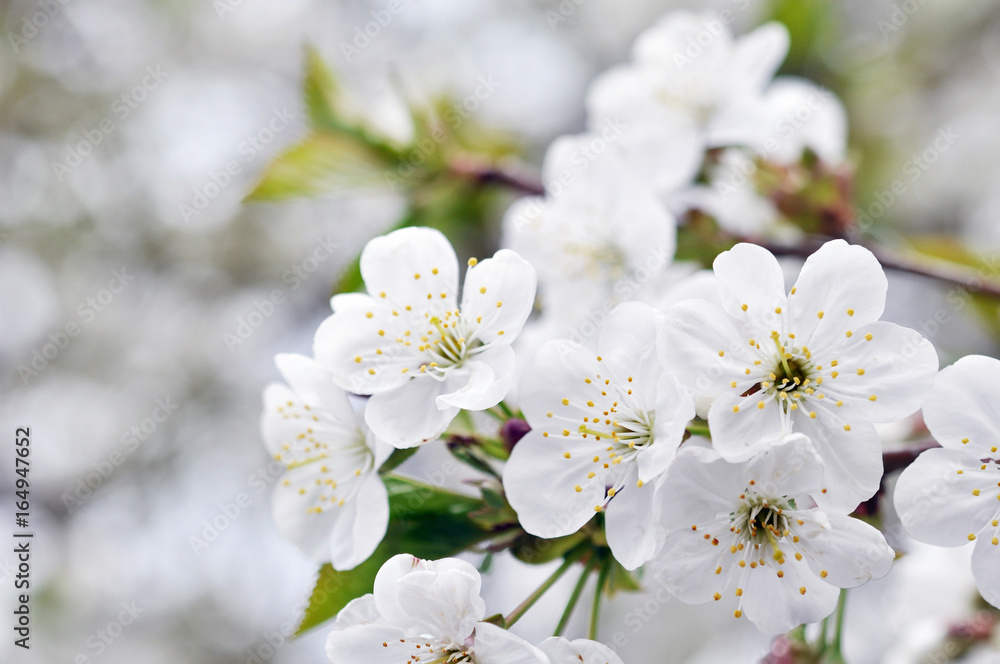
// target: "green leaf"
[[396, 459], [322, 162], [425, 521], [321, 92], [536, 550]]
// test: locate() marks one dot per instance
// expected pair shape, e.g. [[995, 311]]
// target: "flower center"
[[447, 344], [792, 375]]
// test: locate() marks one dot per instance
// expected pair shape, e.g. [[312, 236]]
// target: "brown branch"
[[939, 270], [486, 173]]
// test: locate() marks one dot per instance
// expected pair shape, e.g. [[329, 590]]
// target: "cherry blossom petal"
[[366, 351], [545, 495], [886, 375], [945, 496], [965, 406], [360, 529], [845, 551], [499, 294], [841, 287], [438, 597], [776, 604], [986, 564], [631, 523], [498, 646], [489, 378], [409, 415], [411, 266], [749, 276]]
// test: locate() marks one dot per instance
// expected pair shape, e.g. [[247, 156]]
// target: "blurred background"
[[142, 301]]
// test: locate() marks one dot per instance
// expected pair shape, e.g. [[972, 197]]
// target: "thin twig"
[[939, 270]]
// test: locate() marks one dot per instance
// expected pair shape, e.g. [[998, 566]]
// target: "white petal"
[[391, 264], [964, 406], [986, 565], [359, 611], [345, 301], [580, 651], [750, 275], [558, 372], [886, 378], [698, 488], [935, 500], [693, 336], [440, 597], [777, 604], [674, 409], [498, 646], [820, 121], [847, 284], [627, 345], [850, 551], [489, 378], [741, 429], [686, 565], [757, 55], [852, 460], [791, 467], [540, 483], [314, 384], [500, 290], [348, 344], [409, 415], [631, 525], [361, 528], [363, 643]]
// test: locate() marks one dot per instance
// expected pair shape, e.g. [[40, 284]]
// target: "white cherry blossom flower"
[[604, 428], [816, 360], [951, 496], [331, 502], [751, 531], [596, 225], [689, 69], [409, 344], [428, 612]]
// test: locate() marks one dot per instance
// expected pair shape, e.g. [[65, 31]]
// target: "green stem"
[[506, 409], [575, 597], [495, 415], [698, 428], [595, 612], [836, 654], [523, 607]]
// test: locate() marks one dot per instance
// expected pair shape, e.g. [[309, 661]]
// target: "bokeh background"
[[116, 115]]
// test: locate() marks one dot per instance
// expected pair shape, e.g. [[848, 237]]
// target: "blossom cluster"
[[716, 427]]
